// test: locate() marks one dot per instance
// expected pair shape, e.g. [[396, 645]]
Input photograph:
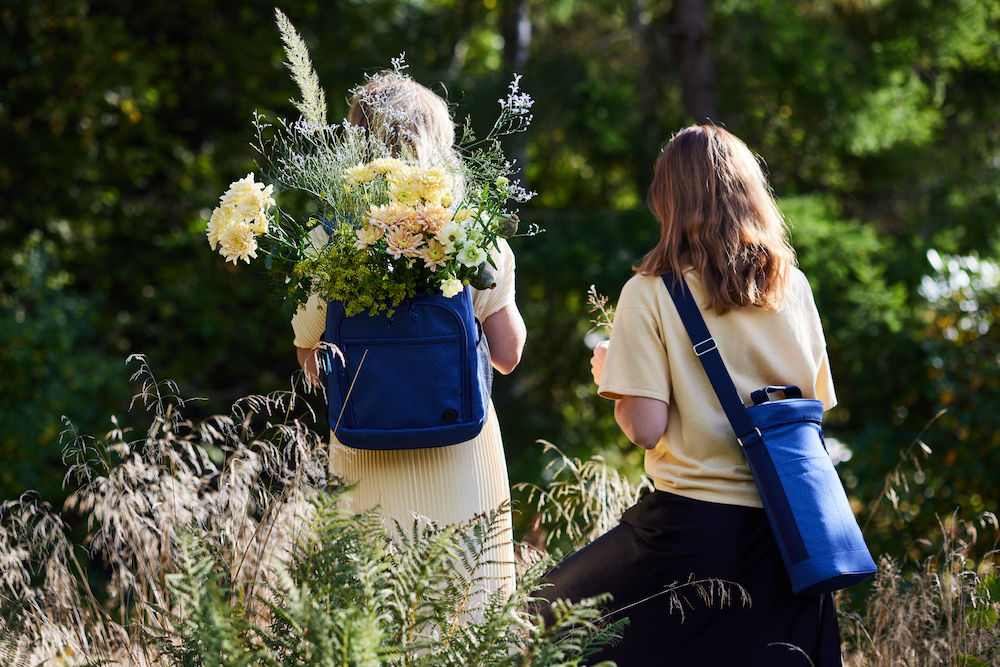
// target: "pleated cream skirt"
[[444, 485]]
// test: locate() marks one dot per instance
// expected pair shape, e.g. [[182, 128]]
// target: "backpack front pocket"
[[430, 396]]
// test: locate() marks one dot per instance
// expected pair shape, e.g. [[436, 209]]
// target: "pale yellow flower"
[[386, 165], [404, 194], [222, 217], [402, 243], [405, 185], [463, 214], [368, 236], [447, 200], [434, 255], [249, 202], [451, 287], [359, 173], [431, 184], [237, 241]]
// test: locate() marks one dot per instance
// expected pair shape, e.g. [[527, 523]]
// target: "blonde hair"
[[407, 117], [718, 217]]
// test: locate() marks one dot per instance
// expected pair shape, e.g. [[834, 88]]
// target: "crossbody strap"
[[708, 354]]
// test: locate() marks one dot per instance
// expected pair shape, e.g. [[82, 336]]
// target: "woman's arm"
[[505, 332], [642, 420]]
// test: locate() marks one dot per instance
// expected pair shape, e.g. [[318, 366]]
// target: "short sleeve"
[[637, 363], [824, 384], [824, 380], [309, 323], [487, 302]]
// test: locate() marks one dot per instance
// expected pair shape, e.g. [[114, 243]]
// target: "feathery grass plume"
[[582, 499], [313, 102], [603, 312]]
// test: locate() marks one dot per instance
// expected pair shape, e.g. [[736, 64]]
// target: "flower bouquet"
[[392, 215]]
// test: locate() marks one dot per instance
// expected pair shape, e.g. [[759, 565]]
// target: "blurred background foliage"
[[121, 123]]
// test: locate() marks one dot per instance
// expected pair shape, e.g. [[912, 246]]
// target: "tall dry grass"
[[224, 544]]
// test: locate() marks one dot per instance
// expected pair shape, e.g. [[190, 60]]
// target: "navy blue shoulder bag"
[[816, 531]]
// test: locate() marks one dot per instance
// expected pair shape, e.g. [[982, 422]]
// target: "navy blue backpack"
[[421, 378]]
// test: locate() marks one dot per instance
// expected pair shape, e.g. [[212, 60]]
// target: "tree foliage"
[[122, 123]]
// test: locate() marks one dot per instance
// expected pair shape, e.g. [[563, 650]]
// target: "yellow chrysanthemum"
[[358, 174], [249, 199], [386, 165], [222, 217], [237, 241], [433, 184]]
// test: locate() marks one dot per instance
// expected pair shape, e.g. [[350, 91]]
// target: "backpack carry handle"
[[764, 395]]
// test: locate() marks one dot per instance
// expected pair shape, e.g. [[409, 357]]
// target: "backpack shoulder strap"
[[708, 354]]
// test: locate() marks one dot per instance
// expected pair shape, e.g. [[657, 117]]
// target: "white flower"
[[471, 255], [473, 236], [451, 287], [450, 234]]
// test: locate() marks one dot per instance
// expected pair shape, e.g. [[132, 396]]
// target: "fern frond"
[[312, 106]]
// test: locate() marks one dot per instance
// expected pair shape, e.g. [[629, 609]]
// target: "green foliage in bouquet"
[[405, 210]]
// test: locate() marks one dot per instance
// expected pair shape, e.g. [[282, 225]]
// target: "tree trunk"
[[516, 29], [693, 55]]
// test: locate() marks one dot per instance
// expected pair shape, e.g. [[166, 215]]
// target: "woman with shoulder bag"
[[721, 231]]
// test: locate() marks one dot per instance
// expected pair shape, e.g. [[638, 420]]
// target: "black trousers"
[[665, 540]]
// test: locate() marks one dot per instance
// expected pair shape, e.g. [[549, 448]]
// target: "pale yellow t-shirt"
[[651, 355]]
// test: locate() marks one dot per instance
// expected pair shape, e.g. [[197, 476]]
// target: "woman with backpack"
[[694, 565], [454, 483]]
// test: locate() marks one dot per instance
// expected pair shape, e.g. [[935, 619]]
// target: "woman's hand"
[[597, 361], [307, 360]]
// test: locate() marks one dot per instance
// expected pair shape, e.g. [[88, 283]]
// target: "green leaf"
[[982, 617], [964, 660]]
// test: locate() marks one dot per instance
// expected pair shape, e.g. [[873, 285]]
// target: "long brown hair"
[[718, 217]]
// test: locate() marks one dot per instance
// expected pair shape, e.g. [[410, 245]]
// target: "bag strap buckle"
[[751, 434], [704, 347]]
